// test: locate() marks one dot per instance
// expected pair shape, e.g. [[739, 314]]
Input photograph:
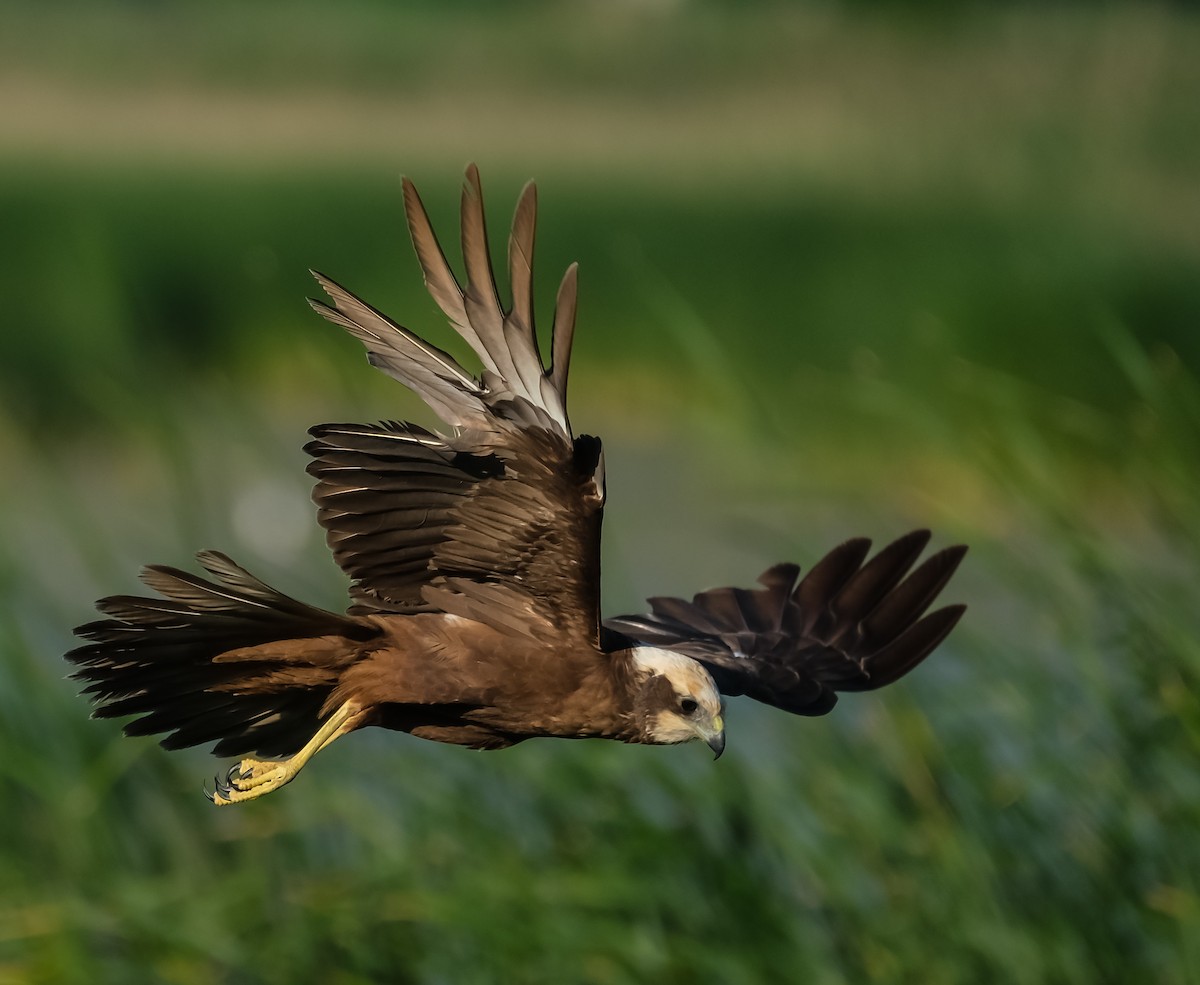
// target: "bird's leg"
[[252, 778]]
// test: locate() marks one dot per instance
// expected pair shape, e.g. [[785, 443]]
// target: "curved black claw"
[[208, 793]]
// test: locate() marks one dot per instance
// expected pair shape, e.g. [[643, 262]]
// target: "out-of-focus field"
[[842, 273]]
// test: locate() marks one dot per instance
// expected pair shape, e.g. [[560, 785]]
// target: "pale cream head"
[[694, 710]]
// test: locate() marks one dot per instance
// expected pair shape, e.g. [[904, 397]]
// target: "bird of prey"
[[474, 560]]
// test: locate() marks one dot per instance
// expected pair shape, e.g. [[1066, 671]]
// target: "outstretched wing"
[[501, 521], [846, 626]]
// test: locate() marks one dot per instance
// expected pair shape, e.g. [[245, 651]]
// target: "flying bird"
[[474, 560]]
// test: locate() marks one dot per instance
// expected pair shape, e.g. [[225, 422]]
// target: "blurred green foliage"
[[842, 273], [1023, 291]]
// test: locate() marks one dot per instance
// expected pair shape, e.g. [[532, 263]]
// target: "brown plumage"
[[474, 561]]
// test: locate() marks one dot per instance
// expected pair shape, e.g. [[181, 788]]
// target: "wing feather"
[[520, 261], [430, 373], [901, 607], [480, 298], [867, 586], [846, 626], [564, 332], [440, 281], [500, 522]]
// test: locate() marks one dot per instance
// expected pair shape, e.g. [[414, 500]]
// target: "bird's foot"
[[252, 778], [249, 779]]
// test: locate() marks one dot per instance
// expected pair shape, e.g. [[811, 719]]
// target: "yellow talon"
[[252, 778]]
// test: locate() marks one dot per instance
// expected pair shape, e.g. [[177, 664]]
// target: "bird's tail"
[[230, 661]]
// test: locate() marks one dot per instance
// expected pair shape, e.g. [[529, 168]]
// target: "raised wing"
[[846, 626], [501, 521]]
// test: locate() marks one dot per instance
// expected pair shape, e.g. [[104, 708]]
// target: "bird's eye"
[[688, 706]]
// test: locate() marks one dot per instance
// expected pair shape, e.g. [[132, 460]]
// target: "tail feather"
[[230, 661]]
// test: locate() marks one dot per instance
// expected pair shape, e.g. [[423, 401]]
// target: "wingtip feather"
[[563, 336], [913, 646]]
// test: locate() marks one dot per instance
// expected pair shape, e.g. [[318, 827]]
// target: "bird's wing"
[[501, 521], [846, 626]]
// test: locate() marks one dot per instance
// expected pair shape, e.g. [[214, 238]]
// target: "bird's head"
[[675, 699]]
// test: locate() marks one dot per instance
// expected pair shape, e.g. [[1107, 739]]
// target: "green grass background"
[[846, 269]]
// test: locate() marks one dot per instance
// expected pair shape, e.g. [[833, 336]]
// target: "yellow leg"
[[252, 778]]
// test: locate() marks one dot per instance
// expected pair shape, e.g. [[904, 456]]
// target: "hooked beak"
[[716, 738]]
